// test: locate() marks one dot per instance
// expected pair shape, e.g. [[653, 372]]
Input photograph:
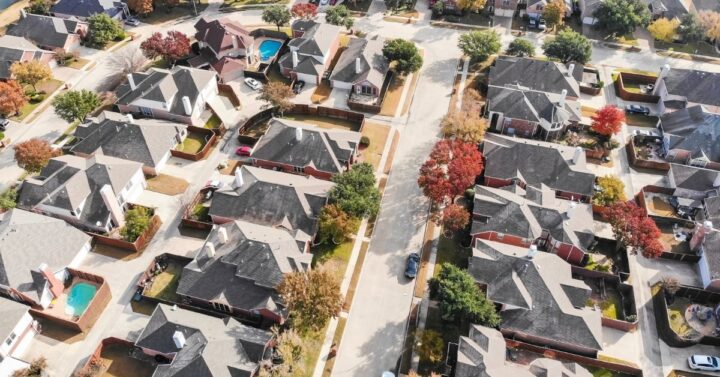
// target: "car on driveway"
[[253, 84], [3, 124], [132, 21], [702, 362], [645, 133], [243, 151], [298, 86], [541, 24], [412, 265], [637, 109]]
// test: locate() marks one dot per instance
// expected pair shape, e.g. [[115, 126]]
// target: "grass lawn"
[[335, 257], [449, 250], [339, 330], [77, 63], [392, 95], [699, 48], [165, 284], [472, 18], [638, 71], [193, 143], [201, 212], [273, 74], [48, 87], [611, 306], [167, 184], [321, 94], [325, 122], [639, 120], [450, 332], [377, 133], [214, 122], [242, 3], [312, 341], [184, 9], [632, 87], [115, 358]]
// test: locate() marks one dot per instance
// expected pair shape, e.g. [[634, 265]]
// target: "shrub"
[[365, 141], [8, 199], [137, 221]]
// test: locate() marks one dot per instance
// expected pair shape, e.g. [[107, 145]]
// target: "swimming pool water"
[[268, 49], [79, 298]]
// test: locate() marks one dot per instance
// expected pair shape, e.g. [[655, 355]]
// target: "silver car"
[[703, 362]]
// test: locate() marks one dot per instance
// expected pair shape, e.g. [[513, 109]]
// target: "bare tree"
[[127, 60]]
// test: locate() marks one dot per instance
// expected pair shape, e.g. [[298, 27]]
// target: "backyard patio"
[[120, 360], [676, 239]]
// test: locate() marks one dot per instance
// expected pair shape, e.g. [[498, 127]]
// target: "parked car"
[[645, 133], [298, 86], [702, 362], [213, 184], [323, 2], [253, 84], [3, 124], [243, 151], [541, 24], [132, 21], [412, 265], [637, 109]]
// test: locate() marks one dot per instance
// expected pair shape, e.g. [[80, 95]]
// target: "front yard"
[[698, 48], [378, 134], [185, 8], [44, 90], [242, 3], [325, 122]]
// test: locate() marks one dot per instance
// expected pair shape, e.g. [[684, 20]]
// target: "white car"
[[324, 2], [702, 362], [644, 133], [252, 83]]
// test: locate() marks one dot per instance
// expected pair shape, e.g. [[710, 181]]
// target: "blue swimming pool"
[[268, 49], [79, 298]]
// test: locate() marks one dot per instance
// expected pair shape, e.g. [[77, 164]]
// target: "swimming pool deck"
[[58, 305], [259, 42]]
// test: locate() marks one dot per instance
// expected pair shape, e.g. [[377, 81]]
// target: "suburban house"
[[690, 136], [696, 193], [297, 147], [681, 88], [537, 75], [587, 10], [484, 353], [179, 95], [706, 243], [540, 302], [535, 163], [35, 251], [199, 345], [237, 269], [514, 110], [17, 329], [362, 69], [91, 193], [17, 49], [311, 50], [49, 33], [147, 141], [514, 216], [225, 46], [505, 8], [85, 8], [535, 8], [677, 8], [271, 198]]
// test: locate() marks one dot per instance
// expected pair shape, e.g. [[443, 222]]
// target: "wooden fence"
[[322, 111], [188, 221], [630, 96], [626, 294], [642, 163], [662, 321], [210, 140], [94, 364], [139, 244]]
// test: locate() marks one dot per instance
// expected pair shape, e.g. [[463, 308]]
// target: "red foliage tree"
[[608, 120], [171, 47], [304, 10], [452, 167], [12, 98], [32, 155], [633, 228], [455, 217]]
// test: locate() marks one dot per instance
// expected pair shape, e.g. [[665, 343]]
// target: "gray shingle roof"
[[695, 130], [539, 75], [10, 314], [711, 247], [697, 86], [548, 311], [245, 270], [317, 38], [213, 347], [86, 8], [12, 49], [144, 140], [49, 32], [323, 149], [530, 105], [28, 240], [218, 34], [276, 199], [374, 65], [712, 210], [536, 163], [693, 178]]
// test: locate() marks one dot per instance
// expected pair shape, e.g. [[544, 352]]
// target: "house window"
[[220, 307], [298, 169], [10, 339], [145, 111], [367, 90]]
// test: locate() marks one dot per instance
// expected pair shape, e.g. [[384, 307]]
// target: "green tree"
[[612, 190], [41, 7], [471, 5], [277, 15], [438, 9], [8, 199], [431, 346], [663, 29], [76, 104], [404, 53], [568, 46], [355, 192], [103, 29], [622, 17], [479, 45], [460, 298], [554, 13], [521, 47], [137, 221], [335, 224], [340, 16], [691, 30]]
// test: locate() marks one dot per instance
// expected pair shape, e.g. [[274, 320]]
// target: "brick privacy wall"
[[641, 163], [213, 139], [617, 283], [139, 244], [636, 97]]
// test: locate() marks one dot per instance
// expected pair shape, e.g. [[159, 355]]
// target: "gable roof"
[[711, 249], [537, 163], [696, 86], [534, 74], [11, 313], [28, 240], [71, 183], [214, 347], [322, 149], [544, 300], [530, 105], [516, 213], [276, 199], [373, 64], [671, 8], [695, 130], [317, 38], [218, 34], [245, 270], [166, 87], [86, 8], [693, 178], [12, 49], [46, 31], [144, 140], [483, 354]]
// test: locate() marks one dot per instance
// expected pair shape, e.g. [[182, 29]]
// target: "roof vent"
[[570, 69], [532, 251], [298, 133], [222, 235], [186, 105], [578, 153], [179, 339], [130, 118], [210, 250]]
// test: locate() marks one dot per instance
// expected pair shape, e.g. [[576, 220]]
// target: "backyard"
[[378, 135], [325, 122], [213, 122], [164, 285], [193, 143], [167, 184], [676, 315], [675, 240], [117, 361]]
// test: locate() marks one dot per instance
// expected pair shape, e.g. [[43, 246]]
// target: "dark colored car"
[[298, 87], [3, 124], [637, 109], [412, 265], [132, 21]]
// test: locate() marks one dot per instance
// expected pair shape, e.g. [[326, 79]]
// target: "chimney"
[[578, 153], [130, 118], [131, 81], [179, 339], [111, 202], [663, 73], [664, 70], [699, 236], [298, 133], [238, 178], [222, 235], [561, 102], [23, 13], [210, 249], [532, 251], [570, 210], [295, 59], [570, 69], [56, 287], [358, 66], [235, 43], [186, 105]]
